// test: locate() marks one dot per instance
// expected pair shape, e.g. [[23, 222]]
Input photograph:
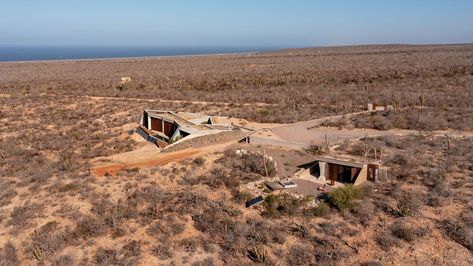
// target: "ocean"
[[88, 52]]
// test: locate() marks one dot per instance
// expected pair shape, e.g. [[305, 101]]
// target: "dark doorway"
[[342, 174], [145, 120]]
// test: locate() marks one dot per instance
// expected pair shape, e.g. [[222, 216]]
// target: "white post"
[[322, 176]]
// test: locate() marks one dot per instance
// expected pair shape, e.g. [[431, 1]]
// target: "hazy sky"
[[275, 23]]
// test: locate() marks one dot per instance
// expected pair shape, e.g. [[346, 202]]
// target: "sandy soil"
[[148, 156]]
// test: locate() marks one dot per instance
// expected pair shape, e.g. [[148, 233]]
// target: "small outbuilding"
[[344, 170]]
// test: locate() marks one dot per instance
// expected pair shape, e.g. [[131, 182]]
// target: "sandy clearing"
[[147, 157], [310, 132]]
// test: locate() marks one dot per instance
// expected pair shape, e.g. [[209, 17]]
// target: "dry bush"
[[199, 161], [276, 206], [406, 231], [250, 162], [64, 260], [386, 240], [190, 244], [129, 254], [23, 216], [322, 210], [300, 230], [460, 231], [205, 262], [371, 263], [409, 204], [50, 239], [7, 192], [330, 250], [162, 251], [299, 254], [365, 212], [8, 255]]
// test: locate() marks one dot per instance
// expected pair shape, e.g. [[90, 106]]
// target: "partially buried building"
[[342, 170], [166, 127]]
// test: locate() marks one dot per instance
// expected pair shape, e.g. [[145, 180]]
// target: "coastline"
[[145, 57]]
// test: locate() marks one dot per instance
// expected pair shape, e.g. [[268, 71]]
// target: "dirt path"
[[258, 104], [149, 156], [310, 132]]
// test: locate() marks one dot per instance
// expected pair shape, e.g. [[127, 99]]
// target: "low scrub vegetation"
[[345, 197], [55, 212]]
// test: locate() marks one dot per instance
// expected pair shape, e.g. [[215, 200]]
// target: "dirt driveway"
[[148, 156]]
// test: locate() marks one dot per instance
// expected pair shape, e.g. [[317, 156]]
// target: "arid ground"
[[59, 120]]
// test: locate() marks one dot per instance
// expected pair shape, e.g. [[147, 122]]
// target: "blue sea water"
[[89, 52]]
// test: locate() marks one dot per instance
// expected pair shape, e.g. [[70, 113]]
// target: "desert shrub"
[[386, 240], [128, 255], [256, 163], [7, 192], [258, 254], [218, 177], [64, 260], [409, 204], [131, 251], [284, 204], [88, 227], [159, 230], [49, 239], [405, 231], [242, 196], [322, 210], [381, 123], [190, 244], [249, 162], [162, 251], [300, 230], [105, 257], [8, 255], [371, 263], [329, 250], [345, 197], [299, 254], [206, 262], [458, 231], [314, 149], [277, 236], [365, 212], [189, 179], [187, 202], [177, 228], [23, 216], [404, 159], [199, 161]]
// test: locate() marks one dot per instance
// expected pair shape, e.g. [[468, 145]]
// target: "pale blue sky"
[[274, 23]]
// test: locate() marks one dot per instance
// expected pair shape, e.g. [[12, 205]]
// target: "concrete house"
[[166, 127], [325, 169]]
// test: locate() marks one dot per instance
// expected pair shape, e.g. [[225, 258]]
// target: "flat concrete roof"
[[357, 162]]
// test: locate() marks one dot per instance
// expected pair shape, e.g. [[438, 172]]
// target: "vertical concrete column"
[[149, 122], [322, 176]]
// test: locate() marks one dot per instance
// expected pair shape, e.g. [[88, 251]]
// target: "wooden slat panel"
[[168, 129], [156, 124]]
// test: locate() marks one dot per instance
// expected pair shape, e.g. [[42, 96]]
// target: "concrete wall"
[[362, 176]]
